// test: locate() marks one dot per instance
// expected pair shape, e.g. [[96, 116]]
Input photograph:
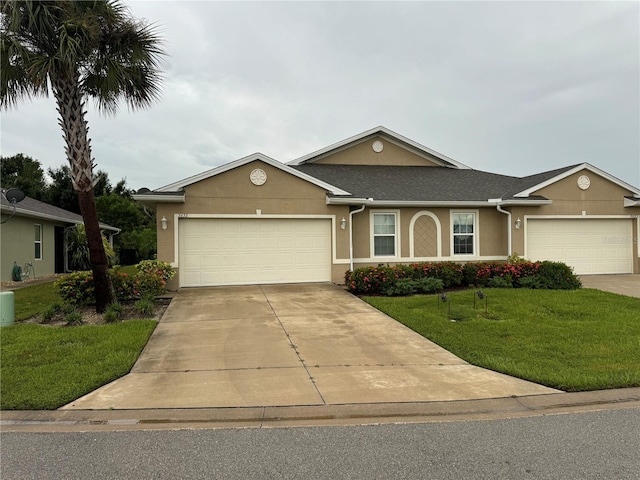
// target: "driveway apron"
[[281, 345]]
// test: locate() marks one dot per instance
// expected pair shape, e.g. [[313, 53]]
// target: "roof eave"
[[435, 203], [54, 218], [146, 198]]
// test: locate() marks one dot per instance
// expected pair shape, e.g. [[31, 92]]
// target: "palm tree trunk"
[[74, 126]]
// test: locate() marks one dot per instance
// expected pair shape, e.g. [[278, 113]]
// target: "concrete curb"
[[317, 415]]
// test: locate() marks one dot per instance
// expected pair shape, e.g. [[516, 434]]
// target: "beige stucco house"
[[379, 197], [36, 234]]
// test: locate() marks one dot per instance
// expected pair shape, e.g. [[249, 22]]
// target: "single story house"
[[36, 234], [381, 198]]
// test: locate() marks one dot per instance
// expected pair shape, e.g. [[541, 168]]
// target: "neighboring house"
[[380, 198], [36, 234]]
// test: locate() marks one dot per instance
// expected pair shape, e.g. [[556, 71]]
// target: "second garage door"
[[590, 246], [241, 251]]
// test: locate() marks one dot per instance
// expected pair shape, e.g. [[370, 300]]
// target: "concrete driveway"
[[281, 345], [623, 284]]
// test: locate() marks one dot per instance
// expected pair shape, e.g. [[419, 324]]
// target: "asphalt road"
[[596, 445]]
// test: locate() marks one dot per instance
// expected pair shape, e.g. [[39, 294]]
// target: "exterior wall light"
[[164, 223], [343, 223], [518, 224]]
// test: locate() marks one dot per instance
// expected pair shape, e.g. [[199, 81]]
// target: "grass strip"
[[574, 340], [43, 368]]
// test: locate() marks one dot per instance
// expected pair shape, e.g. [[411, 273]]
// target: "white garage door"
[[590, 246], [248, 251]]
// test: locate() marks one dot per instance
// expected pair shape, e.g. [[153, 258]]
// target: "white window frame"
[[475, 234], [396, 235], [37, 241]]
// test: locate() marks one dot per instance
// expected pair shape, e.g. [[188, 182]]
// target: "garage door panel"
[[242, 251], [583, 244]]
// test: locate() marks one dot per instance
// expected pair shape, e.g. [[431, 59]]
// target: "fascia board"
[[394, 137], [631, 202], [243, 161], [435, 203], [583, 166], [158, 198]]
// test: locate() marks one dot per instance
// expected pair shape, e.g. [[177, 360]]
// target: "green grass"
[[44, 368], [571, 340], [130, 270], [33, 300]]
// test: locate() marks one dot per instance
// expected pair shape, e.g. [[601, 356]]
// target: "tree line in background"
[[115, 205]]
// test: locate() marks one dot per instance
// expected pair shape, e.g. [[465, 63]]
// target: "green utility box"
[[7, 310]]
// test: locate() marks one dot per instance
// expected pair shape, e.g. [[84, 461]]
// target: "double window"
[[38, 241], [384, 235], [464, 233]]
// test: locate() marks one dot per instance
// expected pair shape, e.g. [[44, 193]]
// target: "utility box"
[[7, 309]]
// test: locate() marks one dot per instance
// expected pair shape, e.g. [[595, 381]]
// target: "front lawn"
[[46, 367], [34, 299], [572, 340]]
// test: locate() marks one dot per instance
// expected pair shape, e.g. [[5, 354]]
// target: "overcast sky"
[[507, 87]]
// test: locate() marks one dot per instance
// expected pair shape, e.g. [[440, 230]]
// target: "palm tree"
[[78, 50]]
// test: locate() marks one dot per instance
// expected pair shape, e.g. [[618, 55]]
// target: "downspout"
[[506, 212], [351, 214]]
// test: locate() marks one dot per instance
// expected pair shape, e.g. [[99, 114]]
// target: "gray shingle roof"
[[34, 208], [423, 184]]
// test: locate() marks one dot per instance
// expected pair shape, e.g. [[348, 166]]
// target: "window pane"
[[384, 246], [384, 224], [463, 223], [38, 253], [463, 244], [37, 232]]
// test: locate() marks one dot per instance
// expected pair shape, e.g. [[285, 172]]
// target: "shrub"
[[401, 287], [113, 313], [79, 246], [146, 306], [152, 277], [518, 272], [528, 282], [123, 284], [76, 288], [429, 285], [73, 317], [557, 275], [50, 312], [505, 281]]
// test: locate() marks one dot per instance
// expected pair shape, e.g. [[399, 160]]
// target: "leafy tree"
[[25, 173], [80, 50], [61, 192]]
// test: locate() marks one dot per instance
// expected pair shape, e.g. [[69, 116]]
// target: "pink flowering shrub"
[[521, 274], [77, 288]]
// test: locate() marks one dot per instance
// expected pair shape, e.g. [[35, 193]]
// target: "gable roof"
[[417, 184], [30, 207], [179, 185], [534, 183], [389, 135]]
